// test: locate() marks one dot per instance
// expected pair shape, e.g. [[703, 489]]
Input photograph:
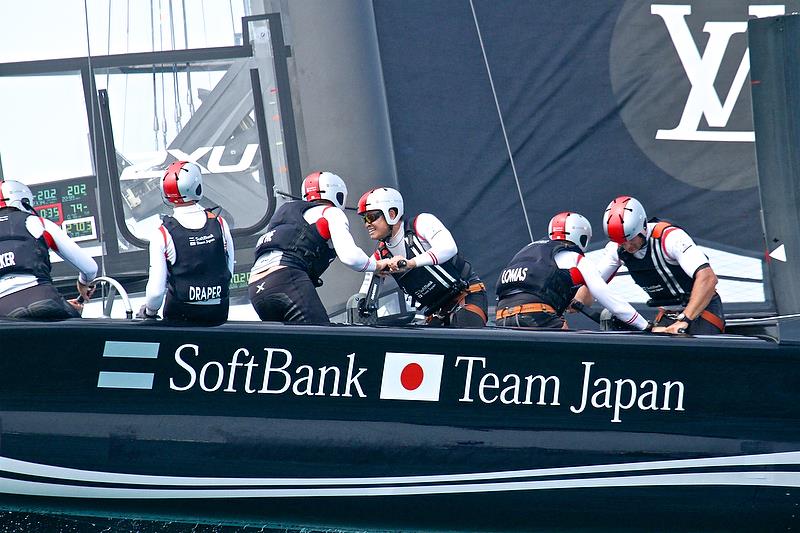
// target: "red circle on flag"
[[411, 376]]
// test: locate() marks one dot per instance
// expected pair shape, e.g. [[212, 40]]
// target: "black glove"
[[143, 314]]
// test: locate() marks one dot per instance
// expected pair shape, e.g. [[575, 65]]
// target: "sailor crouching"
[[26, 288], [541, 280], [666, 263], [302, 240], [424, 261], [191, 255]]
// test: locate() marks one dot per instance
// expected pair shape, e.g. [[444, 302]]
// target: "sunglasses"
[[371, 216]]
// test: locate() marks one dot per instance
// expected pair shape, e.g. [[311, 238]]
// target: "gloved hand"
[[85, 291], [144, 315]]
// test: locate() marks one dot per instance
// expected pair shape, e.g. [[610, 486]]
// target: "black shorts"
[[540, 319], [470, 312], [701, 326], [287, 295], [39, 302], [532, 320], [201, 315]]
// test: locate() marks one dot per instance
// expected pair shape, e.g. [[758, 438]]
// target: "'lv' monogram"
[[702, 72]]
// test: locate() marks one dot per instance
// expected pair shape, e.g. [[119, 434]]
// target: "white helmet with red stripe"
[[325, 186], [383, 199], [570, 227], [182, 183], [624, 219], [16, 194]]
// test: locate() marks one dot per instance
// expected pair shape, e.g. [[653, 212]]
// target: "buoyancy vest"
[[432, 286], [301, 243], [21, 252], [200, 273], [665, 283], [534, 271]]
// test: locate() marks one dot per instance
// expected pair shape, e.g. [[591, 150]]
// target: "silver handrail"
[[108, 300]]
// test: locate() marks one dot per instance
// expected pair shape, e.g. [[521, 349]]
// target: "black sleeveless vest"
[[534, 271], [20, 252], [302, 245], [200, 272], [665, 283], [434, 285]]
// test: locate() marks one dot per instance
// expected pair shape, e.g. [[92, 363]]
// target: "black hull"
[[180, 423]]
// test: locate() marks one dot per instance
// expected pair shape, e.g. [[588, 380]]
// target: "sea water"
[[23, 522]]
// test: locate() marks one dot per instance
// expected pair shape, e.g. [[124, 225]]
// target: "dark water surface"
[[22, 522]]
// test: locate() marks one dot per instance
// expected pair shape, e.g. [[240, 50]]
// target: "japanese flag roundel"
[[411, 376]]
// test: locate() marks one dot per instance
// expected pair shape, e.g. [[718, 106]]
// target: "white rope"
[[502, 123]]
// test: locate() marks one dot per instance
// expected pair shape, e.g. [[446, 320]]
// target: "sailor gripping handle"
[[108, 300]]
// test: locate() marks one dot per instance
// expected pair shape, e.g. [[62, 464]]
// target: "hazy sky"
[[44, 133]]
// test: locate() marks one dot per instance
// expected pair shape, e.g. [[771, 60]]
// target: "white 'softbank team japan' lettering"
[[418, 377]]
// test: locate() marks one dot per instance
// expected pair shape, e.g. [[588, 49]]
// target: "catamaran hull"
[[399, 428]]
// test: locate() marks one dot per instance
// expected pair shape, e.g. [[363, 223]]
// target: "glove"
[[144, 315]]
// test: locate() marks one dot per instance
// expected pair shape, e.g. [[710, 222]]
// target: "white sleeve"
[[603, 294], [682, 249], [442, 245], [65, 248], [608, 262], [346, 249], [226, 234], [157, 280]]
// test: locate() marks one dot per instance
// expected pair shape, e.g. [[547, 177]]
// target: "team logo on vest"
[[7, 260], [202, 294], [203, 239], [511, 275], [680, 71]]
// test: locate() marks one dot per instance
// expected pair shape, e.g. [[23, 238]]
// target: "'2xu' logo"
[[702, 71]]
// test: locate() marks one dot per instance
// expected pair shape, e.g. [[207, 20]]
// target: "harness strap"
[[659, 229], [474, 309], [525, 308], [713, 319]]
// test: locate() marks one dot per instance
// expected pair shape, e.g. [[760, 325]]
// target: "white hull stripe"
[[752, 478], [748, 463]]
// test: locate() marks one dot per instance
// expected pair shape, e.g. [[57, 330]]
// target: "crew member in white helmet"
[[26, 288], [541, 280], [666, 263], [425, 261], [191, 254], [302, 240]]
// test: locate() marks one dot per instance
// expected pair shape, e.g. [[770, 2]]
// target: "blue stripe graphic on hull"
[[125, 380], [138, 350]]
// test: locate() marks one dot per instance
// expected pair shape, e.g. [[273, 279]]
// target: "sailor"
[[301, 241], [664, 261], [424, 261], [191, 254], [539, 283], [26, 288]]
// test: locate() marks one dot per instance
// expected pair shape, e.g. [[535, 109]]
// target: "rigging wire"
[[155, 96], [233, 23], [127, 76], [189, 99], [108, 41], [205, 34], [502, 123], [163, 91], [93, 133], [175, 89]]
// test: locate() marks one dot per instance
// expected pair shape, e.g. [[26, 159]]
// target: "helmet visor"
[[371, 216]]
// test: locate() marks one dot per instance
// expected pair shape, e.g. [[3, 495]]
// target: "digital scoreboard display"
[[71, 204]]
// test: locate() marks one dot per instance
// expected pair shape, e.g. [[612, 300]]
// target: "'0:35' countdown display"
[[71, 204]]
